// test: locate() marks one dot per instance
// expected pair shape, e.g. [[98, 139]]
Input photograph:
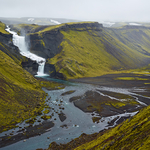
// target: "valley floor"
[[105, 101]]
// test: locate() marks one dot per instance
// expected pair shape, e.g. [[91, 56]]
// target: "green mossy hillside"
[[93, 53], [2, 28], [136, 38], [12, 55], [130, 135], [20, 93]]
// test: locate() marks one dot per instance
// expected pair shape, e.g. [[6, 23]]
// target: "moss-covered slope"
[[2, 28], [20, 93], [93, 53]]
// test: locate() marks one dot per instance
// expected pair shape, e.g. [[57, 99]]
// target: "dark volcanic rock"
[[30, 65], [8, 48], [47, 45], [5, 38], [50, 69], [62, 117]]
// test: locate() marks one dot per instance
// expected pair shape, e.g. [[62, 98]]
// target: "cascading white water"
[[19, 41]]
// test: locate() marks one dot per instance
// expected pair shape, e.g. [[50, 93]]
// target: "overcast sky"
[[94, 10]]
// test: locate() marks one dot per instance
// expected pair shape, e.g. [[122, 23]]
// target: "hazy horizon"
[[86, 10]]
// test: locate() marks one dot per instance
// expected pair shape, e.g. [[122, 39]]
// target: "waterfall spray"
[[19, 41]]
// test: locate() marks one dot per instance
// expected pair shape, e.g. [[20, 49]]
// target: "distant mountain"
[[120, 24], [33, 20]]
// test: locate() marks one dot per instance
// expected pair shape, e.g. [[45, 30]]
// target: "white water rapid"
[[19, 41]]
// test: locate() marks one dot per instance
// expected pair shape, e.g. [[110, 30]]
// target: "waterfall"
[[41, 69], [19, 41]]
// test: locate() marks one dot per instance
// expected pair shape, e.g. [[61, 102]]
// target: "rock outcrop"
[[46, 45], [50, 69], [30, 65]]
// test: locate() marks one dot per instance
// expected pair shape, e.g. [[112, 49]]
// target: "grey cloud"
[[118, 10]]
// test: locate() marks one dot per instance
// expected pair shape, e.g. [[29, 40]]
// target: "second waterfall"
[[19, 41]]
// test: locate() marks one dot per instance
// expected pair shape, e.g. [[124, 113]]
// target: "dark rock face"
[[62, 117], [5, 38], [84, 26], [8, 47], [50, 69], [46, 46], [30, 65]]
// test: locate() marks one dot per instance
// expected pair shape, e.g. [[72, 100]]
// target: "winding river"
[[76, 122]]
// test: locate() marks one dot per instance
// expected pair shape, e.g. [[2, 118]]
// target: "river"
[[76, 122]]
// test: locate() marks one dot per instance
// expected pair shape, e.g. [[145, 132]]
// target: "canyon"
[[95, 78]]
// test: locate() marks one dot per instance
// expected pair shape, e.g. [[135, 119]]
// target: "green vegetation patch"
[[96, 119], [146, 83], [50, 85], [46, 117], [46, 111], [130, 78], [2, 28]]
